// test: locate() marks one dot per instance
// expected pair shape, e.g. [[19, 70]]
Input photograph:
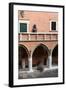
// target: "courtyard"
[[37, 74]]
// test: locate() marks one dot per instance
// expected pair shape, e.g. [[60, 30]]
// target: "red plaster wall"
[[41, 19], [33, 45]]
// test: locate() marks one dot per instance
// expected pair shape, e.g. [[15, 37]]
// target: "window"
[[23, 26], [53, 25]]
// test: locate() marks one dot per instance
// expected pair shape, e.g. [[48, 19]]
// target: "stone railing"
[[37, 36]]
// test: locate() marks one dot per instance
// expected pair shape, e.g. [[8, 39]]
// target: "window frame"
[[24, 21], [56, 25]]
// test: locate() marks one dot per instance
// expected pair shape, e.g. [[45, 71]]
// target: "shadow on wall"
[[55, 56]]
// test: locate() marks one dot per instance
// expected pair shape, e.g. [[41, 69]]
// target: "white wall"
[[4, 44]]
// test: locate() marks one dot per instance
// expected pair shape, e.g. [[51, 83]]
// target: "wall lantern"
[[22, 13]]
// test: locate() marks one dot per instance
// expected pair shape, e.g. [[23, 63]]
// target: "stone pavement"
[[38, 74]]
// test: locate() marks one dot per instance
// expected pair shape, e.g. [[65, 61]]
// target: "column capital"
[[50, 52], [30, 53]]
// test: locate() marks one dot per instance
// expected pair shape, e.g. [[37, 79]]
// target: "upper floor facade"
[[37, 25]]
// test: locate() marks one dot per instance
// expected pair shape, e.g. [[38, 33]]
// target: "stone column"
[[50, 59], [30, 63], [23, 63]]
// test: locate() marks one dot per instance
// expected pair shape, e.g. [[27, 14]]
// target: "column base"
[[49, 67], [31, 70]]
